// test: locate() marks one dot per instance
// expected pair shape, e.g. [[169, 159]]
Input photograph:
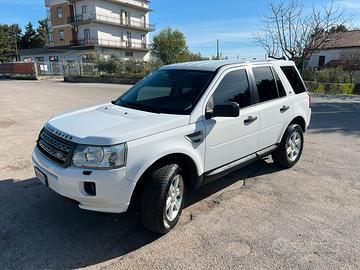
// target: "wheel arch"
[[183, 160], [299, 120]]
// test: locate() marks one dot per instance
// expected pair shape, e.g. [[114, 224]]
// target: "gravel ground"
[[260, 217]]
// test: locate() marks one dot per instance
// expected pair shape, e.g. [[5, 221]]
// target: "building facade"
[[79, 29], [335, 48], [109, 27]]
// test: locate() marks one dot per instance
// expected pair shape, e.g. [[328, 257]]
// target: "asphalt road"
[[260, 217]]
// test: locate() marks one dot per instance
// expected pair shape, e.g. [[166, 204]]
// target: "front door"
[[230, 139]]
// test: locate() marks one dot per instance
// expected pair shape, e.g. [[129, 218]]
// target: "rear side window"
[[234, 87], [265, 82], [279, 84], [294, 79]]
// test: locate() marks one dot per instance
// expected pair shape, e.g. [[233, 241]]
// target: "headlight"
[[106, 157]]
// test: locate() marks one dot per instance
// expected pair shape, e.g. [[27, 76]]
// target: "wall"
[[329, 55]]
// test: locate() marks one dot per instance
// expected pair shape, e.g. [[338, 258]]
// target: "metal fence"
[[80, 69]]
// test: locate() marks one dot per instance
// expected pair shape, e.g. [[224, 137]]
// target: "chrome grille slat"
[[51, 151], [55, 148], [55, 143]]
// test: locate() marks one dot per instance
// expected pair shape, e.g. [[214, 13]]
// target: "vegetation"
[[334, 88], [35, 38], [117, 67], [11, 39], [170, 46], [327, 75]]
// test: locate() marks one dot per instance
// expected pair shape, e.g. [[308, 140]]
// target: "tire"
[[161, 205], [290, 148]]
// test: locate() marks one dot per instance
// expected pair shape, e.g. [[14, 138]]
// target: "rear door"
[[300, 98], [275, 109]]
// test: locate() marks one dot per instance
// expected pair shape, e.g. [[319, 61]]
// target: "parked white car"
[[181, 127]]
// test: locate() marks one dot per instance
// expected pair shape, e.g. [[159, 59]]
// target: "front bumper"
[[113, 189]]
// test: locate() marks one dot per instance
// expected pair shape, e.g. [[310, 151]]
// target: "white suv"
[[181, 127]]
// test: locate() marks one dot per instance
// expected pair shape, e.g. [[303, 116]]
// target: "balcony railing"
[[87, 17], [132, 45]]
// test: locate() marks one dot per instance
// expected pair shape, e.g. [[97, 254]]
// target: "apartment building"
[[79, 29], [119, 27]]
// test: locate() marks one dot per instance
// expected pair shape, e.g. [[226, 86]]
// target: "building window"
[[87, 34], [83, 9], [143, 41], [129, 54], [59, 12], [61, 35], [48, 13], [51, 37], [321, 61]]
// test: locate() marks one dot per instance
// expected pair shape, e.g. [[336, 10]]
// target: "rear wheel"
[[163, 198], [290, 148]]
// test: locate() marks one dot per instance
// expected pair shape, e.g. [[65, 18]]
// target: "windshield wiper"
[[140, 106]]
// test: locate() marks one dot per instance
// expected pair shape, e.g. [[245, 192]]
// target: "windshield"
[[167, 91]]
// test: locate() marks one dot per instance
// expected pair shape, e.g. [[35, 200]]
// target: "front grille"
[[55, 148]]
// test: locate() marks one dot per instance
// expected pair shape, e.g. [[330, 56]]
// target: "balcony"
[[117, 21], [129, 45], [139, 5]]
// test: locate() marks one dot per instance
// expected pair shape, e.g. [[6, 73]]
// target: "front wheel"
[[163, 198], [290, 148]]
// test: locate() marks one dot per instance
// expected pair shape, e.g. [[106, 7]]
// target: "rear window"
[[294, 79]]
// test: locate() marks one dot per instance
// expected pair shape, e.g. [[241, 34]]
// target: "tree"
[[42, 35], [219, 57], [350, 61], [197, 57], [28, 39], [9, 42], [292, 33], [338, 29], [170, 46]]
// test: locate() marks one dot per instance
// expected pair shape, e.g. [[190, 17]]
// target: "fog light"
[[90, 188]]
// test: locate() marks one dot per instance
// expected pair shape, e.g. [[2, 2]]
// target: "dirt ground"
[[260, 217]]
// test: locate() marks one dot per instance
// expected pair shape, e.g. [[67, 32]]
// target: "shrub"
[[333, 88], [327, 75]]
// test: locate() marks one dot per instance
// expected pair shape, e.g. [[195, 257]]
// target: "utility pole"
[[217, 50]]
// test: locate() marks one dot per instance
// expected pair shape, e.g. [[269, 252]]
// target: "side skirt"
[[226, 169]]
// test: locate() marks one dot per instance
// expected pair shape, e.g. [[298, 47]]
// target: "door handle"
[[284, 109], [250, 120]]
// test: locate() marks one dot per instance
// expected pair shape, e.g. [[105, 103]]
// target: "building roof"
[[349, 39], [213, 65]]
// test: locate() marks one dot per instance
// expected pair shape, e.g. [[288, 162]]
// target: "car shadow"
[[335, 117], [40, 229]]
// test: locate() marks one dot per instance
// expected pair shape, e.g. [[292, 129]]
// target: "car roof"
[[213, 65]]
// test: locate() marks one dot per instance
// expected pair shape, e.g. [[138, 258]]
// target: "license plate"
[[41, 176]]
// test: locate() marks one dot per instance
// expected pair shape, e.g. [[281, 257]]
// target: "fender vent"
[[196, 137]]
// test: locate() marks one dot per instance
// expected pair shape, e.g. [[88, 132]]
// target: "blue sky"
[[202, 21]]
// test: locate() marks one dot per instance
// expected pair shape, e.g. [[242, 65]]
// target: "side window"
[[294, 79], [279, 84], [234, 87], [265, 83]]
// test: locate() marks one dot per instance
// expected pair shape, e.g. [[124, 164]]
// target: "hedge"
[[334, 88]]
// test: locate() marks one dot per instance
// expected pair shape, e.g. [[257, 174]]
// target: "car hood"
[[109, 124]]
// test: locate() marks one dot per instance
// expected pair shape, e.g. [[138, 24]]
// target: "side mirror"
[[231, 109]]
